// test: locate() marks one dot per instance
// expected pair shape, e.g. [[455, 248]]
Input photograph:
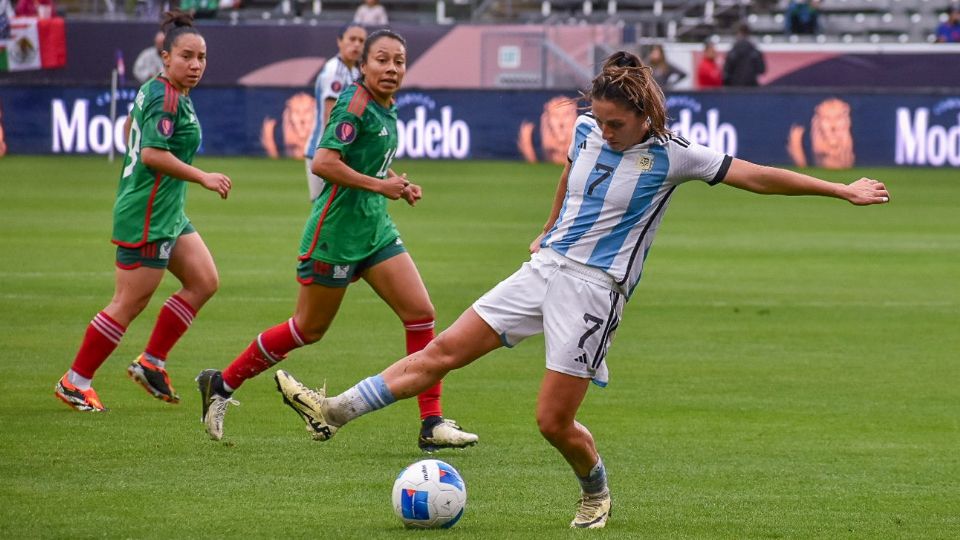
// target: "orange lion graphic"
[[299, 114], [831, 137], [556, 128]]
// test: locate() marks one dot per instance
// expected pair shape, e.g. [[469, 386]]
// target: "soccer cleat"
[[214, 404], [153, 379], [309, 404], [81, 400], [445, 434], [592, 511]]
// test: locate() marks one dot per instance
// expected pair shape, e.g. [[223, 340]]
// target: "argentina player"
[[623, 168], [337, 74]]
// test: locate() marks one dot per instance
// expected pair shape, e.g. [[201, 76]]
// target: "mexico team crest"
[[165, 126], [346, 132]]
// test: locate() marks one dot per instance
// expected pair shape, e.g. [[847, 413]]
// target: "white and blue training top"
[[332, 79], [615, 200]]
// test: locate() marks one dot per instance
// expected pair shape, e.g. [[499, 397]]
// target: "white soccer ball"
[[429, 494]]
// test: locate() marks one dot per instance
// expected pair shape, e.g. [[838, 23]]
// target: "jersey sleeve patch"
[[165, 126], [336, 87], [345, 132]]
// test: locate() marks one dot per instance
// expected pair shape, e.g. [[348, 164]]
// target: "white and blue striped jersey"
[[332, 79], [615, 200]]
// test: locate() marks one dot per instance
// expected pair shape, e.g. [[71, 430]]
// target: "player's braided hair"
[[626, 80], [175, 24]]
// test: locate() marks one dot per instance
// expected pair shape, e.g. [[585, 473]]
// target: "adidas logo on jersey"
[[384, 132]]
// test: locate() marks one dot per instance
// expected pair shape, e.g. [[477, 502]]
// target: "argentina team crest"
[[645, 162], [346, 132]]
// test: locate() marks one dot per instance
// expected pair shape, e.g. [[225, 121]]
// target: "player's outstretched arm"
[[558, 197], [165, 162], [774, 181]]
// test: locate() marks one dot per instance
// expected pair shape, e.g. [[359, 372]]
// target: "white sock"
[[78, 380], [366, 396], [595, 482], [156, 361]]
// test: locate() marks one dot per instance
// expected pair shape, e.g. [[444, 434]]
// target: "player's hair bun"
[[175, 19]]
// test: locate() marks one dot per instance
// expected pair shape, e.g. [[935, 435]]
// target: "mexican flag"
[[34, 44]]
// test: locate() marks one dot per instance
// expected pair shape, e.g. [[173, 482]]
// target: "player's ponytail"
[[626, 80], [175, 24]]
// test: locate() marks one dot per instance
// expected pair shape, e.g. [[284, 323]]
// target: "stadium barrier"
[[834, 130]]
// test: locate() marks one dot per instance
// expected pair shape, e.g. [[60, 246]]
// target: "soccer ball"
[[429, 494]]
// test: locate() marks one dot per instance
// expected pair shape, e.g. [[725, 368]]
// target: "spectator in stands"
[[6, 13], [371, 13], [34, 8], [708, 72], [802, 17], [149, 62], [665, 73], [744, 62], [200, 9], [949, 30]]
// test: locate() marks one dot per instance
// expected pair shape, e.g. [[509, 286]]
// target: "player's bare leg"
[[466, 340], [398, 283], [557, 404], [132, 291], [192, 264]]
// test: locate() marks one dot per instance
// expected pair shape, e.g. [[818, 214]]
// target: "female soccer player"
[[150, 228], [348, 236], [337, 74], [623, 167]]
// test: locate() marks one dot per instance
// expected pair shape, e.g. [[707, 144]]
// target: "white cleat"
[[214, 405], [213, 421], [446, 434], [309, 404], [592, 511]]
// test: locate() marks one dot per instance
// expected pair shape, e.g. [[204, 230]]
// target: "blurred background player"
[[337, 73], [150, 228], [348, 236], [624, 166]]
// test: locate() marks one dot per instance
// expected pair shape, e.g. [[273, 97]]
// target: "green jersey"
[[347, 225], [149, 204]]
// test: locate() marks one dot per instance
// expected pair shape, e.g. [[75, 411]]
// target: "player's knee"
[[553, 427], [127, 308], [424, 312], [311, 332], [442, 353], [206, 286]]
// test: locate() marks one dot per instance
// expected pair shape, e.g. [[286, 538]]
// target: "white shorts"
[[577, 308], [314, 182]]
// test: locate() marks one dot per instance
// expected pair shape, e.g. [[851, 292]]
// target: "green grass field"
[[787, 369]]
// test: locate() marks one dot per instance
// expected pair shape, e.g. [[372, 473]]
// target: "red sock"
[[419, 334], [270, 347], [102, 337], [174, 319]]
